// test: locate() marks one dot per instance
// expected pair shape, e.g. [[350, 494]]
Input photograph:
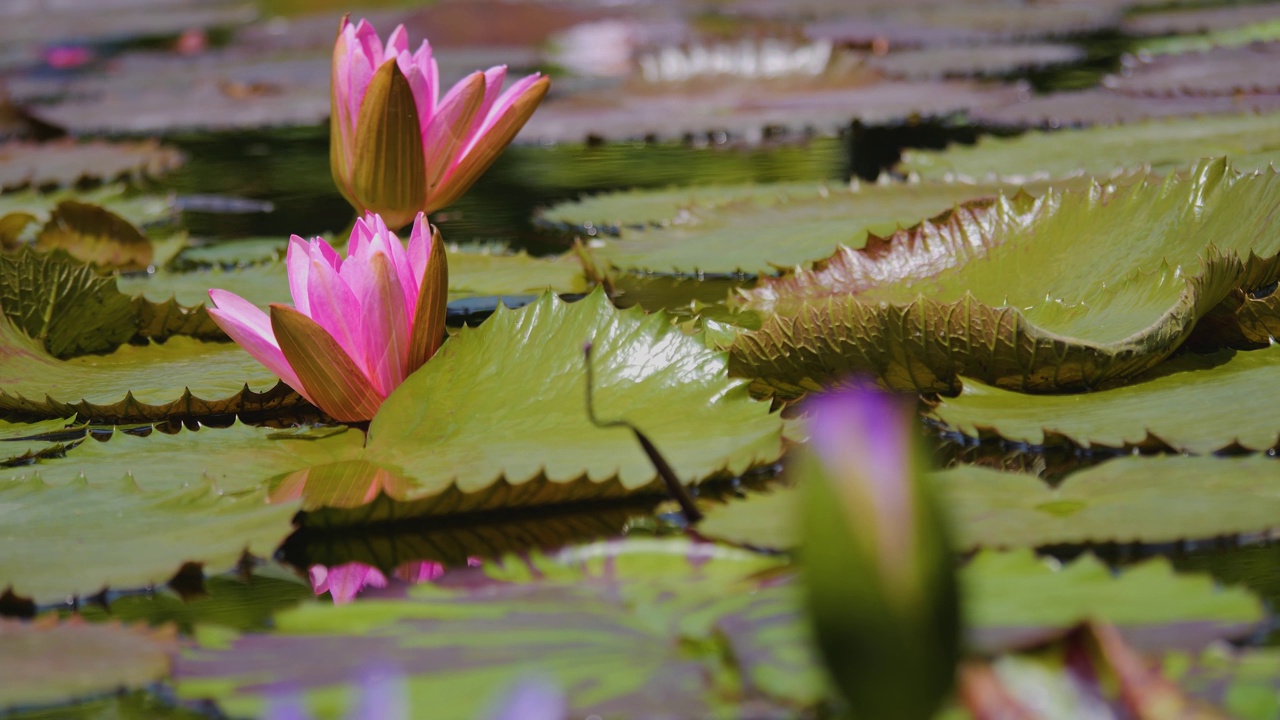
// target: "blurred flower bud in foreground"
[[878, 569]]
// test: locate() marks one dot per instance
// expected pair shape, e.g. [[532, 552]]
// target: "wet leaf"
[[48, 661], [1250, 141], [63, 305], [79, 538], [65, 162], [1192, 404], [630, 629], [971, 293], [493, 451], [96, 236]]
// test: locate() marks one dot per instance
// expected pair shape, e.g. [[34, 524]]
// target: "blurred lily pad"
[[998, 291], [1147, 500], [240, 603], [79, 538], [141, 210], [1218, 71], [1192, 404], [1106, 106], [65, 162], [746, 109], [1251, 142], [973, 61], [662, 623], [95, 235], [1200, 21], [1016, 599], [48, 661]]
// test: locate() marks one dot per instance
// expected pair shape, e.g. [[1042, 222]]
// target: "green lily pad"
[[1012, 598], [1192, 404], [227, 254], [1218, 71], [1001, 292], [1150, 500], [64, 304], [1132, 499], [1252, 142], [628, 630], [136, 384], [476, 273], [81, 537], [51, 662], [482, 445], [1262, 31], [768, 227], [66, 162]]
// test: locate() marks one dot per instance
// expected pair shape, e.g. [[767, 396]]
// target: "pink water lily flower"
[[358, 326], [396, 146]]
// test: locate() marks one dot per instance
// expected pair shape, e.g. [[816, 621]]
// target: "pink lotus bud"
[[397, 147], [878, 568], [358, 327]]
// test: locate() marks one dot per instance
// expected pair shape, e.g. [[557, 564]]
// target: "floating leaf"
[[745, 109], [787, 226], [48, 662], [118, 198], [81, 537], [480, 445], [1018, 599], [632, 629], [1158, 499], [954, 23], [1205, 20], [244, 604], [1104, 106], [476, 273], [63, 305], [500, 447], [137, 384], [1192, 404], [65, 162], [1251, 141], [1148, 500], [972, 292], [971, 61], [96, 236], [1219, 71], [1262, 31]]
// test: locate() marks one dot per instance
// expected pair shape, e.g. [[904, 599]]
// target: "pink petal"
[[297, 262], [397, 42], [500, 106], [335, 308], [322, 249], [426, 64], [363, 59], [250, 328], [361, 234], [384, 327], [420, 86], [446, 133], [419, 251], [388, 243]]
